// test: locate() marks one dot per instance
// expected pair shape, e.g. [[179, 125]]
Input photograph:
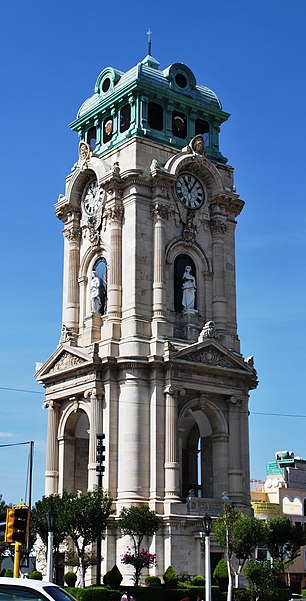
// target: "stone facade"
[[167, 386]]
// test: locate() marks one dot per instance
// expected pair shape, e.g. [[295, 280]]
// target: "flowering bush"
[[140, 560]]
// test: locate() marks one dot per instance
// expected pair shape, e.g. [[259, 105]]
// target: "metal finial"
[[149, 34]]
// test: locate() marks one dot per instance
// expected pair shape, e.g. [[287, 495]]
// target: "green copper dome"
[[166, 106]]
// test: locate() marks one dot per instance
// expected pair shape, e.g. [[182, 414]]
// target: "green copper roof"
[[124, 102]]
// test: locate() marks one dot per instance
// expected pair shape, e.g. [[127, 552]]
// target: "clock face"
[[91, 198], [189, 191]]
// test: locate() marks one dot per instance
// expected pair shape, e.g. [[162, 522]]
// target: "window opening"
[[202, 128], [155, 116], [92, 137], [179, 124], [125, 118], [107, 129], [98, 287], [106, 84], [181, 80]]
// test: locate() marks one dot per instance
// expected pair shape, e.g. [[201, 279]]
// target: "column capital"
[[218, 225], [72, 234], [95, 394], [174, 391], [237, 400], [160, 211], [50, 405]]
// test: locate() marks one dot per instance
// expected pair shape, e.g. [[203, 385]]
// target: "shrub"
[[98, 593], [70, 578], [220, 575], [303, 593], [9, 573], [113, 578], [35, 575], [242, 594], [152, 581], [198, 581], [170, 578]]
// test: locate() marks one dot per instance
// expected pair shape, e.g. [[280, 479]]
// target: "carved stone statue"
[[189, 288], [95, 300]]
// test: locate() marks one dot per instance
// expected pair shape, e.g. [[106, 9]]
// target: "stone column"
[[234, 459], [115, 215], [160, 213], [220, 453], [52, 467], [218, 228], [72, 234], [96, 427], [172, 492]]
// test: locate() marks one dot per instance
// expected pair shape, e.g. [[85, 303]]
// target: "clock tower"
[[149, 352]]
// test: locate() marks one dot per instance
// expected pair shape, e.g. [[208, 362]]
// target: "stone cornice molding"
[[231, 202]]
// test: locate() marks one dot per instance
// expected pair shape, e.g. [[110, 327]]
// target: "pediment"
[[64, 359], [209, 352]]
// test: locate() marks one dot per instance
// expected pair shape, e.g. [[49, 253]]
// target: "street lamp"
[[207, 524], [50, 515], [100, 448]]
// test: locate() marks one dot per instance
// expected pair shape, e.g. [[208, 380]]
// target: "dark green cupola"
[[166, 106]]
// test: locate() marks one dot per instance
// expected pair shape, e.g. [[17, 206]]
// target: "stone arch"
[[73, 436], [203, 431], [209, 173], [95, 167]]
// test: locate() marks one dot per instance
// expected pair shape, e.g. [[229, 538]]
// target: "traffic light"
[[100, 454], [17, 525]]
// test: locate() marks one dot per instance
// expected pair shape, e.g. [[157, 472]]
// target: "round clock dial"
[[91, 198], [189, 191]]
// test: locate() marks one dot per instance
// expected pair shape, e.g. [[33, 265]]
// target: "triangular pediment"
[[209, 352], [65, 358]]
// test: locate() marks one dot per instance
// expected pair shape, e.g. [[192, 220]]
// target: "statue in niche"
[[189, 288], [95, 300]]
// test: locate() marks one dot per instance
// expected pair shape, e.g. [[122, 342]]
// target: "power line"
[[21, 390]]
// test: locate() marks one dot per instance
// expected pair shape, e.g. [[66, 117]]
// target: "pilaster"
[[52, 463], [172, 466]]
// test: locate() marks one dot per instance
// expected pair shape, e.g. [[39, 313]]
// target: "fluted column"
[[115, 215], [235, 459], [52, 468], [160, 213], [96, 426], [172, 492], [72, 234], [218, 228]]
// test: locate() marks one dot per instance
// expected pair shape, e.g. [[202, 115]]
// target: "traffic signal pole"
[[17, 559]]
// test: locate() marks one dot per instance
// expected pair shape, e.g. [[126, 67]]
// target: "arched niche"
[[182, 261], [74, 448]]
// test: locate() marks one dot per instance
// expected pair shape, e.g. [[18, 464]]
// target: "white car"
[[24, 589]]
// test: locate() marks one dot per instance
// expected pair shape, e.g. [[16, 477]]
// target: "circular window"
[[106, 84], [181, 80]]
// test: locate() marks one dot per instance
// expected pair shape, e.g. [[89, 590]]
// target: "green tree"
[[239, 535], [86, 516], [38, 523], [138, 522], [261, 578], [284, 539]]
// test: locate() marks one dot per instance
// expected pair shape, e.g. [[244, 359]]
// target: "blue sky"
[[253, 56]]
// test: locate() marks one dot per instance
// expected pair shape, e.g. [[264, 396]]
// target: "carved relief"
[[67, 335], [208, 331], [65, 362], [84, 155], [210, 356]]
